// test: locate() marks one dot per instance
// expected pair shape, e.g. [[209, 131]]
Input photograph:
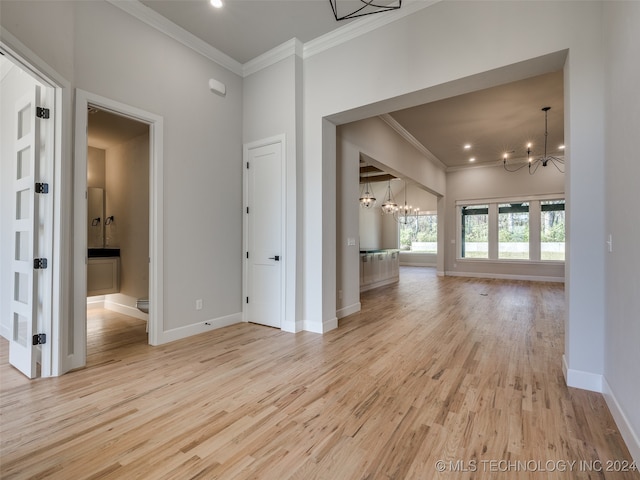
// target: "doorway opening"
[[129, 269], [118, 161]]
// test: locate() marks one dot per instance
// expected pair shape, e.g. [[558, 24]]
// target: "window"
[[513, 230], [552, 236], [525, 229], [475, 231], [419, 233]]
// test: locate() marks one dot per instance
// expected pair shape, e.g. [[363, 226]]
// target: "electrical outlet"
[[199, 304]]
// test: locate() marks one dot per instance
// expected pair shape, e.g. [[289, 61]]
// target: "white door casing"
[[31, 227], [264, 233], [156, 218]]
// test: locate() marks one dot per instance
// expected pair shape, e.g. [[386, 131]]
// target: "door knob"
[[276, 258]]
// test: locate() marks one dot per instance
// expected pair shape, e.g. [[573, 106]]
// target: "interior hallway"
[[434, 368]]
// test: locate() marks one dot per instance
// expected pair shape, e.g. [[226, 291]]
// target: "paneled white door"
[[264, 235], [25, 226]]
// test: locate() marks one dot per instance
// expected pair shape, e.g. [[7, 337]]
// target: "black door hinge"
[[247, 299], [42, 112], [247, 254], [42, 188], [39, 339], [39, 263], [247, 164]]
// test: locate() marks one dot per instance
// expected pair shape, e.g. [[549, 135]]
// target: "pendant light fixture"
[[345, 9], [534, 163], [367, 200], [402, 213], [389, 207]]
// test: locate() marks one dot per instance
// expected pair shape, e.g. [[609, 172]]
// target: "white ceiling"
[[245, 29], [494, 121], [107, 129]]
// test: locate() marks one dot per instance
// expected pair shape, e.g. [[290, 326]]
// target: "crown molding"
[[361, 26], [413, 141], [282, 51], [292, 47], [150, 17]]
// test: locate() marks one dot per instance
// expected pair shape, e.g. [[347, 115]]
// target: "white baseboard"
[[206, 326], [323, 327], [630, 437], [505, 276], [95, 302], [440, 273], [579, 379], [117, 303], [346, 311], [291, 327], [125, 310]]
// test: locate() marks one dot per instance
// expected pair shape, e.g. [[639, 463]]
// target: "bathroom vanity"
[[103, 271]]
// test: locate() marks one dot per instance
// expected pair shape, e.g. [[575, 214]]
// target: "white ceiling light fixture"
[[216, 3], [346, 9], [544, 160]]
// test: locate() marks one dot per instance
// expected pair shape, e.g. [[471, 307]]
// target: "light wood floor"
[[453, 369]]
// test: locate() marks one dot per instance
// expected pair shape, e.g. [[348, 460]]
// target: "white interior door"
[[264, 236], [22, 352]]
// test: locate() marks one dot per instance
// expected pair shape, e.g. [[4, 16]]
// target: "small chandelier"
[[367, 200], [402, 213], [347, 10], [389, 207], [544, 160]]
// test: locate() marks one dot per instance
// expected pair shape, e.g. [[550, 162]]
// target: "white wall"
[[622, 265], [100, 49], [492, 183], [272, 105], [448, 49], [127, 200]]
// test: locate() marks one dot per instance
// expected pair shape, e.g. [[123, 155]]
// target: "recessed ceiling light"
[[529, 145], [467, 146], [216, 3], [561, 147], [472, 159]]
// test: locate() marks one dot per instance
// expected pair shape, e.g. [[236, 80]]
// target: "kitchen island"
[[378, 268]]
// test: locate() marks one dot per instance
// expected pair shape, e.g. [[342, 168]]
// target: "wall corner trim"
[[413, 141], [320, 327], [348, 310], [282, 51], [580, 379]]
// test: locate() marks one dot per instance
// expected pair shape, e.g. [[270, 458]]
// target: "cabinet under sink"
[[103, 275]]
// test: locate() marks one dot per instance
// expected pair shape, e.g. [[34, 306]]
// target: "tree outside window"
[[419, 233], [513, 230], [552, 230], [475, 231]]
